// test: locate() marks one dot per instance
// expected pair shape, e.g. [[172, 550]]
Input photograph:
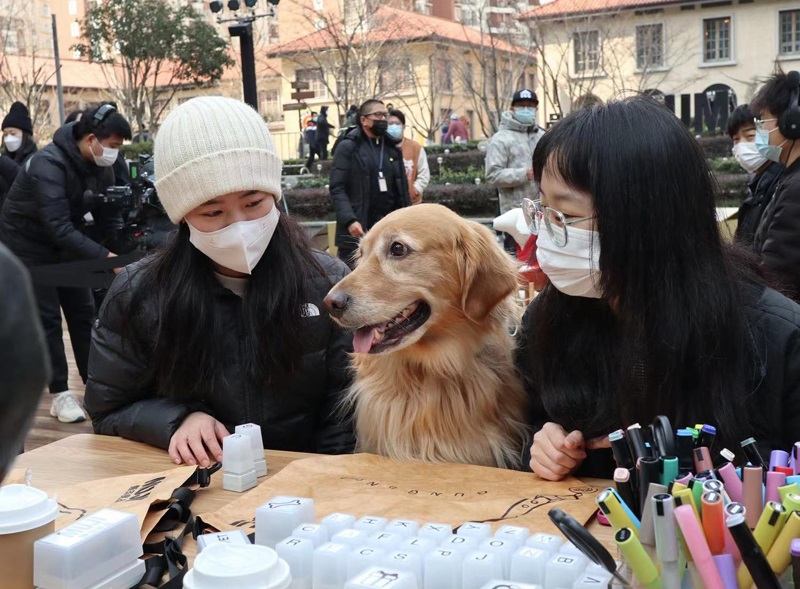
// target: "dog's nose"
[[337, 303]]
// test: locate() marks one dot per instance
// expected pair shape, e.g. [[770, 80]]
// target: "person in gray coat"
[[508, 157]]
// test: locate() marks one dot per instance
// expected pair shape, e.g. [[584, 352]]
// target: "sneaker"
[[67, 408]]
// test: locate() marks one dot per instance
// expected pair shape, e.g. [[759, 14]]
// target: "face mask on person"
[[748, 156], [107, 159], [12, 143], [239, 246], [770, 152], [379, 127], [525, 114], [575, 268], [395, 131]]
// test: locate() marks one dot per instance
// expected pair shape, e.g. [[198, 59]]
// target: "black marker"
[[619, 447], [684, 443], [795, 552], [649, 472], [752, 556], [636, 442], [752, 454], [707, 435]]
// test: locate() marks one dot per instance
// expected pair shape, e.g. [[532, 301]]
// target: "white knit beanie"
[[210, 146]]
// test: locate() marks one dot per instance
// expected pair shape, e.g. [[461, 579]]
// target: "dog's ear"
[[488, 274]]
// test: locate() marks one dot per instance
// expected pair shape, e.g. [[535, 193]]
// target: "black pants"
[[312, 151], [78, 306], [322, 150]]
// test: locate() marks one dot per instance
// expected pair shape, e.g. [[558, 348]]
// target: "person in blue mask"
[[415, 160]]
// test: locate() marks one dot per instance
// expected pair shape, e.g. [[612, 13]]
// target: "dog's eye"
[[398, 250]]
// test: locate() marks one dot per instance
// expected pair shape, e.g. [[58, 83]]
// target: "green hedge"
[[132, 151]]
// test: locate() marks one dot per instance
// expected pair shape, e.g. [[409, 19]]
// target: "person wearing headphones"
[[777, 237], [43, 221]]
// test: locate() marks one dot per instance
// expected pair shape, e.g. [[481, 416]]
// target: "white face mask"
[[12, 143], [575, 268], [748, 156], [108, 158], [239, 246]]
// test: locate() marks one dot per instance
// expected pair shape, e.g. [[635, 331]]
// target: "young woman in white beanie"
[[224, 325]]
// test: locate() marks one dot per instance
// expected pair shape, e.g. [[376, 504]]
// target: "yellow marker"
[[792, 502], [636, 557], [686, 497], [676, 487], [787, 490], [779, 556], [617, 516], [770, 524]]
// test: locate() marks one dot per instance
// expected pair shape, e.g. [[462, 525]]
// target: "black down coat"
[[42, 220], [123, 402]]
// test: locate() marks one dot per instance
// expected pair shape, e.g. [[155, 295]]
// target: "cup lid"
[[24, 508], [241, 566]]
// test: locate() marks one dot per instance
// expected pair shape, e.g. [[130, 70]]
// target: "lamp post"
[[242, 27]]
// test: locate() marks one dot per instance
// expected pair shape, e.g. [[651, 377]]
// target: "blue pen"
[[636, 521], [793, 479]]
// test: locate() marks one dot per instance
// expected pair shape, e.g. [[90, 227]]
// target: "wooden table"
[[86, 457]]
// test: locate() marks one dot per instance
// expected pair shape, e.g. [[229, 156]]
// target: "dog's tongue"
[[362, 340]]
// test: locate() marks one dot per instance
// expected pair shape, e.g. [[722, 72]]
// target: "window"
[[315, 79], [274, 35], [73, 7], [790, 32], [717, 39], [649, 46], [75, 30], [444, 75], [270, 105], [586, 46], [395, 77]]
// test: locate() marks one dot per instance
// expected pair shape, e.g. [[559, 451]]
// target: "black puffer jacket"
[[302, 418], [42, 219], [759, 194]]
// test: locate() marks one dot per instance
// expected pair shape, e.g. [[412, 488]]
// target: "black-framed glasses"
[[378, 115], [555, 222]]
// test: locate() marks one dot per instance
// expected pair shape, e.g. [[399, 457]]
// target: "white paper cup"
[[223, 566]]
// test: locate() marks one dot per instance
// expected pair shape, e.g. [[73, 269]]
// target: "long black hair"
[[173, 320], [669, 335]]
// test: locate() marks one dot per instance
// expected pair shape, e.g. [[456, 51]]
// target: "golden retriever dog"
[[430, 306]]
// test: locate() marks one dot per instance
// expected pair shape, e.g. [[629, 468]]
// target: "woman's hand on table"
[[555, 453], [197, 440]]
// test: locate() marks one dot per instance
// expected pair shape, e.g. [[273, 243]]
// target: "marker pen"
[[619, 447], [796, 458], [769, 525], [751, 452], [753, 558], [669, 469], [707, 435], [727, 455], [695, 434], [727, 570], [683, 448], [702, 459], [647, 534], [636, 442], [667, 551], [686, 498], [774, 481], [785, 470], [611, 505], [716, 486], [795, 552], [714, 522], [730, 546], [733, 484], [636, 557], [675, 486], [792, 502], [793, 479], [696, 486], [698, 547], [752, 493], [779, 556], [778, 458], [648, 473], [622, 480], [787, 490]]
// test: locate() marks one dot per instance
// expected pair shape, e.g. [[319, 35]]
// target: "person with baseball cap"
[[508, 156], [226, 324]]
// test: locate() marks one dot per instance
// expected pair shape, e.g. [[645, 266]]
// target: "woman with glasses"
[[647, 313]]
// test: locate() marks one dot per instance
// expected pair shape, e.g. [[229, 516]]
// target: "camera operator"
[[43, 222]]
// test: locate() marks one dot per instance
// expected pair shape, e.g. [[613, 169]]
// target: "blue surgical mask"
[[771, 152], [525, 114], [395, 131]]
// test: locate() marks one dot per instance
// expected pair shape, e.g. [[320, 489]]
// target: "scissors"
[[586, 543], [663, 436]]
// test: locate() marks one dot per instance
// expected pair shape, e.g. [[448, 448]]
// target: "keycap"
[[404, 527], [475, 530], [299, 554], [314, 532], [350, 537], [443, 569], [479, 568], [436, 532], [563, 570], [499, 584], [503, 549], [371, 524], [596, 568], [330, 566], [462, 544], [383, 578], [420, 546], [276, 518], [361, 558], [404, 561], [529, 564], [515, 534], [571, 549], [547, 542], [592, 581], [336, 522], [384, 540]]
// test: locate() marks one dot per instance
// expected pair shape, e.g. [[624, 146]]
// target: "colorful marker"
[[787, 490], [702, 459], [698, 547], [686, 498], [713, 522], [636, 557], [778, 458], [667, 551], [751, 452], [647, 535], [727, 570], [733, 484], [769, 525], [619, 516], [622, 480], [684, 443], [795, 552], [779, 556], [707, 435], [669, 469], [775, 480], [753, 558], [752, 493]]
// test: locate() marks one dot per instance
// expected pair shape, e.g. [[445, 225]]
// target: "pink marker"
[[698, 547], [774, 480], [733, 484]]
